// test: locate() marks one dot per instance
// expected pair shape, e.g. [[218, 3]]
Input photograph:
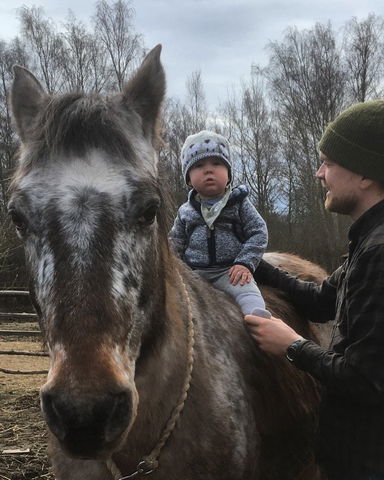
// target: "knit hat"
[[355, 139], [202, 145]]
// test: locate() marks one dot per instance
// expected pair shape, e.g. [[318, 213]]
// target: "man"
[[351, 425]]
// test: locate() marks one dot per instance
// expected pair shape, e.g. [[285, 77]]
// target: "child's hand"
[[239, 273]]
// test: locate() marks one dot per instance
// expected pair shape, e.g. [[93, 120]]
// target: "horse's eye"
[[148, 216], [18, 220]]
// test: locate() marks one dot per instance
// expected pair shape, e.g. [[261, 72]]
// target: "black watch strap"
[[293, 349]]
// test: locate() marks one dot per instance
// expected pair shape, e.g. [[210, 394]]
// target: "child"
[[218, 232]]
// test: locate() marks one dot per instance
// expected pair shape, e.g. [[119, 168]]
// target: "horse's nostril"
[[119, 416], [52, 415]]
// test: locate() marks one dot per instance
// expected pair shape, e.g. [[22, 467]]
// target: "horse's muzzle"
[[87, 427]]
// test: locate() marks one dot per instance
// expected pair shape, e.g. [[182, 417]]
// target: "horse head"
[[87, 205]]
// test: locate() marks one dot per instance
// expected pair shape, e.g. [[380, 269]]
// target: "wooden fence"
[[17, 316], [8, 317]]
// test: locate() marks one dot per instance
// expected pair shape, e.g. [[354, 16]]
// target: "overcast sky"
[[222, 38]]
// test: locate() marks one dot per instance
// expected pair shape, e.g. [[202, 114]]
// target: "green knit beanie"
[[355, 139]]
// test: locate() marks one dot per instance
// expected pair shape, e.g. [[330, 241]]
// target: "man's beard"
[[345, 205]]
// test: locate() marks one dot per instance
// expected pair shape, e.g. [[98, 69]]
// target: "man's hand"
[[271, 334], [239, 273]]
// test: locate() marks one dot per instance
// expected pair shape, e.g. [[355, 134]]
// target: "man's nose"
[[320, 171]]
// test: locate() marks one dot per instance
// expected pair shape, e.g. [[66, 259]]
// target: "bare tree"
[[84, 58], [254, 144], [114, 26], [179, 121], [196, 102], [364, 57], [307, 84], [45, 46], [176, 128]]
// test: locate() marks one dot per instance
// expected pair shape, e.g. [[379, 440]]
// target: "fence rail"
[[17, 316], [14, 293], [20, 333], [21, 315]]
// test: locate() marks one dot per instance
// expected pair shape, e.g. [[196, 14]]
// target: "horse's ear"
[[26, 97], [146, 89]]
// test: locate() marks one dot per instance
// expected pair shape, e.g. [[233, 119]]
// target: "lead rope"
[[150, 463]]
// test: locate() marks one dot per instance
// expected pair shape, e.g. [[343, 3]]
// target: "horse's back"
[[261, 398], [297, 266]]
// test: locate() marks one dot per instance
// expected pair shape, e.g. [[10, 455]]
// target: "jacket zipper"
[[211, 240]]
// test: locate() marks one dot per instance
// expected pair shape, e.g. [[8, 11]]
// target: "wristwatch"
[[293, 348]]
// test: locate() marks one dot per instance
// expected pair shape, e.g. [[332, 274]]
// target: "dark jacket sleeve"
[[358, 372], [318, 302], [334, 372]]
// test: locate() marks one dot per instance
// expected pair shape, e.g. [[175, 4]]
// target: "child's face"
[[209, 177]]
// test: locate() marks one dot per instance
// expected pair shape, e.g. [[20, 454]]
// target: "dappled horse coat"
[[139, 345]]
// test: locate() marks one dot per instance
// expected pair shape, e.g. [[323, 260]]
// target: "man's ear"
[[366, 183]]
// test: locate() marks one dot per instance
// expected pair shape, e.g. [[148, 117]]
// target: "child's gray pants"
[[247, 296]]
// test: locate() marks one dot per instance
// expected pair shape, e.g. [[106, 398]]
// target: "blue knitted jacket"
[[239, 235]]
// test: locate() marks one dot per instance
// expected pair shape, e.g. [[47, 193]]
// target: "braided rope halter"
[[150, 462]]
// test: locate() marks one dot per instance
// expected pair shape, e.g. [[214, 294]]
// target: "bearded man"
[[351, 424]]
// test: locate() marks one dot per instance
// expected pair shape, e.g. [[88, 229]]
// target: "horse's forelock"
[[70, 125], [75, 123]]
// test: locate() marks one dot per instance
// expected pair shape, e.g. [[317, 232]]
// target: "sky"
[[221, 38]]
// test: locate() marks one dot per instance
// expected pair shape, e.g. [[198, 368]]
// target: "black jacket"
[[351, 432]]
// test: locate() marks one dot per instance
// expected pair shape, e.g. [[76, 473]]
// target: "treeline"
[[274, 119]]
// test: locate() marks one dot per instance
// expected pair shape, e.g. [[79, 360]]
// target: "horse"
[[151, 369]]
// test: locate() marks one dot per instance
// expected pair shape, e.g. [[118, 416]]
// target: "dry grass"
[[21, 424], [23, 428]]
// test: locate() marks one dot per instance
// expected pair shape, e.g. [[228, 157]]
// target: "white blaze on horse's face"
[[70, 192], [85, 202]]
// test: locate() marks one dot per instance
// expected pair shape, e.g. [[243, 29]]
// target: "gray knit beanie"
[[355, 139], [202, 145]]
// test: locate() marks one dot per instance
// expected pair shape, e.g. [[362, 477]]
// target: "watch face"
[[292, 349], [290, 354]]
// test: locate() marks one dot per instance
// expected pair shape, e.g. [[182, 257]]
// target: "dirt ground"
[[23, 435]]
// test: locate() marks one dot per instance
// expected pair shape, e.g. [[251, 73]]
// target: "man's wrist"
[[294, 348]]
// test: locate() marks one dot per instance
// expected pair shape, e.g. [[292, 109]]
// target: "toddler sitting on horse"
[[218, 232]]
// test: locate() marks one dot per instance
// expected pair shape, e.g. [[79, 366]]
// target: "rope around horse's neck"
[[149, 463]]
